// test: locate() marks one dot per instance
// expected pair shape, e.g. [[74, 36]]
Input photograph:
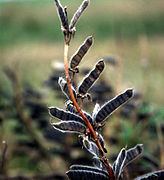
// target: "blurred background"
[[129, 35]]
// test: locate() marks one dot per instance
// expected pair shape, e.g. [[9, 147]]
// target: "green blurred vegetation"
[[37, 21]]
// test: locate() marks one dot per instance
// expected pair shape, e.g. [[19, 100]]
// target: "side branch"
[[106, 163]]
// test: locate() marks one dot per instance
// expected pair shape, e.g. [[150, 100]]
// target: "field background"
[[31, 41]]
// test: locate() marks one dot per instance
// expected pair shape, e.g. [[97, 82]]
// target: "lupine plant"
[[73, 119]]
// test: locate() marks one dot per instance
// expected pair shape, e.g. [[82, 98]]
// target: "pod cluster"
[[99, 171]]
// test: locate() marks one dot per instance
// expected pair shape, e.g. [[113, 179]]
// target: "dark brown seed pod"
[[77, 57], [71, 109], [133, 153], [86, 175], [70, 126], [91, 78], [65, 115], [93, 149], [156, 175], [101, 139], [63, 16], [119, 163], [78, 13], [112, 105], [89, 168], [63, 84]]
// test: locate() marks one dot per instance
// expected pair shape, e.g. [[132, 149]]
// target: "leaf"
[[70, 126], [112, 105], [86, 175], [119, 163]]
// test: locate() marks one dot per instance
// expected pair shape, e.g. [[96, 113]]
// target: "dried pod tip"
[[90, 40], [139, 148], [51, 110], [129, 93]]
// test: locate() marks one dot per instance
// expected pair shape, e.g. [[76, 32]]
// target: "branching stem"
[[106, 163]]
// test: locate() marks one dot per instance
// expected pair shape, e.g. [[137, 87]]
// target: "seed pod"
[[91, 78], [70, 126], [97, 162], [63, 84], [77, 57], [112, 105], [119, 163], [86, 175], [71, 109], [94, 150], [156, 175], [133, 153], [64, 115], [88, 168], [101, 140], [62, 15], [78, 13]]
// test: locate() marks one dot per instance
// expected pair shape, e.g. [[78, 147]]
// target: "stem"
[[106, 163]]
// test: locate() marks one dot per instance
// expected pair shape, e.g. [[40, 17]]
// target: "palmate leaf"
[[156, 175], [70, 127], [86, 175], [112, 105]]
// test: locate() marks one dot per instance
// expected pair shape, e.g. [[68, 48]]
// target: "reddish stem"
[[106, 163]]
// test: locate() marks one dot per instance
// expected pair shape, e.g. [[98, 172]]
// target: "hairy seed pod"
[[112, 105], [71, 109], [63, 84], [89, 168], [86, 175], [70, 126], [62, 15], [155, 175], [78, 13], [91, 78], [119, 163], [64, 115], [77, 57], [133, 153]]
